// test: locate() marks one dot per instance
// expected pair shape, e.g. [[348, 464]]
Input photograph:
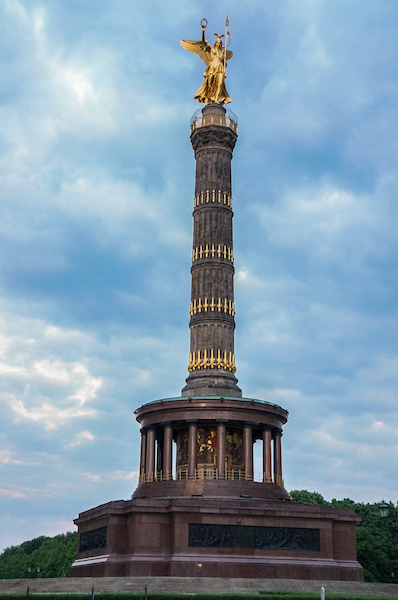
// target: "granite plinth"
[[202, 536]]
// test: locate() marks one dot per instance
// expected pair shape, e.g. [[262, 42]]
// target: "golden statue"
[[215, 58]]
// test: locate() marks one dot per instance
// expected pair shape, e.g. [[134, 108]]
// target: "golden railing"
[[208, 473], [238, 475], [182, 473], [155, 476], [278, 480]]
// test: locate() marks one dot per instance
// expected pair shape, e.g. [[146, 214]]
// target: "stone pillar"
[[221, 441], [192, 449], [248, 450], [278, 458], [167, 451], [142, 456], [212, 356], [150, 454], [159, 455], [267, 462]]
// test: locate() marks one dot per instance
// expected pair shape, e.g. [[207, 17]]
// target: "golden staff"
[[225, 47]]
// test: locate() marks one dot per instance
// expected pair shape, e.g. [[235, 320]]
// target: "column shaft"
[[267, 463], [142, 456], [167, 451], [211, 363], [221, 433], [159, 456], [278, 459], [150, 454], [192, 449], [248, 451]]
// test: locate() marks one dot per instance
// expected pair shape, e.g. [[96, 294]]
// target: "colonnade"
[[157, 452]]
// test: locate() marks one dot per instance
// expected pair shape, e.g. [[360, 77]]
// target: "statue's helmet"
[[218, 42]]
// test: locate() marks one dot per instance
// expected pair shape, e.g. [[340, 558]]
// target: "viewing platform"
[[228, 120]]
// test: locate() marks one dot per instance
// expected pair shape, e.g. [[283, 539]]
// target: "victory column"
[[198, 509]]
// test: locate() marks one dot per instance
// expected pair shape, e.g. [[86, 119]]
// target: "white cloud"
[[12, 493], [316, 220], [5, 458], [81, 437], [48, 414], [96, 180], [49, 391]]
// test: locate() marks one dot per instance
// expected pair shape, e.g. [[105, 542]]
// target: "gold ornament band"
[[212, 251], [223, 305], [212, 196], [212, 359]]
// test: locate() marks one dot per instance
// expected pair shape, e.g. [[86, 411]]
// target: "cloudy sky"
[[96, 195]]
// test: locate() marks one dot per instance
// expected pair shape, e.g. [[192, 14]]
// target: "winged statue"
[[215, 57]]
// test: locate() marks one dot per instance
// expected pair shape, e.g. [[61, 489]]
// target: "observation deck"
[[228, 120]]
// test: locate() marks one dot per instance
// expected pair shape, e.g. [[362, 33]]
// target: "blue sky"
[[96, 196]]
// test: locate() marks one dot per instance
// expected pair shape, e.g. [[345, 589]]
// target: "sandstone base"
[[205, 536]]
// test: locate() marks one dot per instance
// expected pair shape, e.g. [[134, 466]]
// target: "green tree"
[[304, 496], [40, 557]]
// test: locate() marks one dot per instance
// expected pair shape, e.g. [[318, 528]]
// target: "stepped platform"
[[191, 585]]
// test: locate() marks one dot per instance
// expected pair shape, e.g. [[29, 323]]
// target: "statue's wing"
[[202, 49], [229, 54]]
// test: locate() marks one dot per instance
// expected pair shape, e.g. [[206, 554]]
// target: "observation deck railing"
[[229, 120]]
